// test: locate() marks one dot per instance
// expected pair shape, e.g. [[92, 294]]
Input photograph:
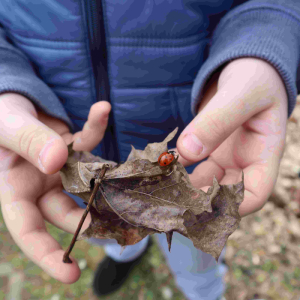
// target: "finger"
[[239, 97], [27, 228], [94, 129], [258, 156], [62, 211], [259, 180], [205, 172], [182, 160], [20, 185], [25, 135]]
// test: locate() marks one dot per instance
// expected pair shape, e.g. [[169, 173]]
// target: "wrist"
[[254, 77]]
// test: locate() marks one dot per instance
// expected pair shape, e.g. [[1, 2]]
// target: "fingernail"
[[43, 154], [192, 144]]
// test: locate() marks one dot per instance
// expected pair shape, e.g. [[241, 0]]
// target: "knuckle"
[[215, 129], [28, 141]]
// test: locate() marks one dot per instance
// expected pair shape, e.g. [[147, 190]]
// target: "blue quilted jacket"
[[150, 59]]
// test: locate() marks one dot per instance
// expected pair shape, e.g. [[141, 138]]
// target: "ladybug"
[[166, 158]]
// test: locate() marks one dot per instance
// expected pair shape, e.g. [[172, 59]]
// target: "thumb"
[[25, 135], [238, 96]]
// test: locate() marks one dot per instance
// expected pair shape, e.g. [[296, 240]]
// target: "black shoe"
[[110, 275]]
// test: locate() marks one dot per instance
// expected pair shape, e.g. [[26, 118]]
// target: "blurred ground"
[[263, 255]]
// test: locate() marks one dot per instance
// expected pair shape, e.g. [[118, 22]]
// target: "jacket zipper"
[[98, 51]]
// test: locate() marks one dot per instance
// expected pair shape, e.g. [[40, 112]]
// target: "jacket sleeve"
[[266, 29], [17, 75]]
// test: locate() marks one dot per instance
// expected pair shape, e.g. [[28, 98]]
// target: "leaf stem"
[[66, 258]]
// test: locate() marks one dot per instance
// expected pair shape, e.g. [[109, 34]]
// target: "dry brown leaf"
[[140, 197]]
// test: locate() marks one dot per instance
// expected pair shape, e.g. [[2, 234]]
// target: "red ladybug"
[[166, 158]]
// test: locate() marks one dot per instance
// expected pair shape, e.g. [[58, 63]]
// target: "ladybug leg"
[[176, 159], [170, 173]]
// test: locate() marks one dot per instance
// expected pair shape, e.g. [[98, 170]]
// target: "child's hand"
[[241, 125], [32, 145]]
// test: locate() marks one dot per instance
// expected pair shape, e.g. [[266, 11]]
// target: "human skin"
[[241, 123], [30, 186], [240, 126]]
